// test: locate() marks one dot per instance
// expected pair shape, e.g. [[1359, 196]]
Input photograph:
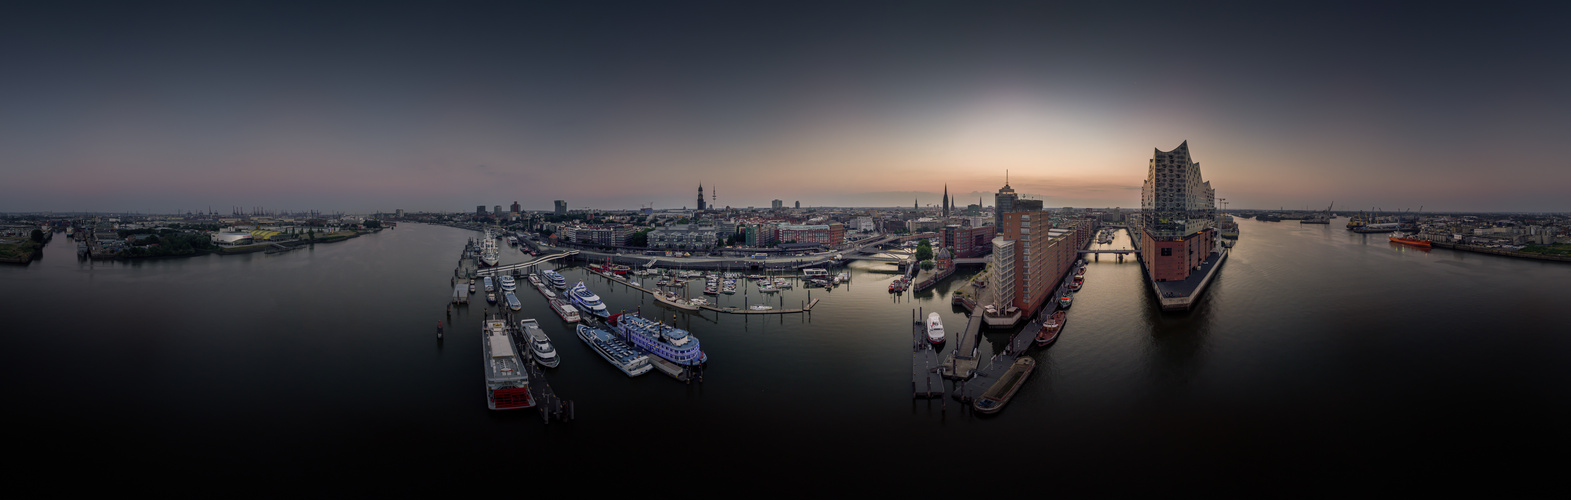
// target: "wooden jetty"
[[925, 380], [961, 362]]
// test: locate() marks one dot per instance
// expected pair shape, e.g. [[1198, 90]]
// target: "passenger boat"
[[596, 267], [567, 312], [935, 328], [1002, 391], [760, 308], [535, 280], [553, 278], [615, 351], [620, 269], [539, 344], [669, 342], [587, 300], [506, 381], [1065, 301], [512, 301], [1049, 331], [508, 284], [489, 287], [490, 297], [1410, 241]]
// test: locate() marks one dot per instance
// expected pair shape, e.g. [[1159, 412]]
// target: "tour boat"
[[508, 284], [587, 300], [539, 344], [567, 312], [1049, 331], [489, 287], [512, 301], [506, 381], [669, 342], [935, 328], [553, 278], [615, 351]]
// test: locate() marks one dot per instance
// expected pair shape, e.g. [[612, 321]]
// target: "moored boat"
[[508, 284], [512, 301], [1066, 301], [553, 278], [669, 342], [540, 348], [587, 300], [1411, 241], [1049, 331], [935, 328], [563, 309], [615, 351], [1002, 391], [506, 381]]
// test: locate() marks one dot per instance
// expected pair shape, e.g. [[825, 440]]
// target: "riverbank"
[[20, 252], [1502, 252]]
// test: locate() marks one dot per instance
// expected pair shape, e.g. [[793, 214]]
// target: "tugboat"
[[1049, 331], [1066, 301]]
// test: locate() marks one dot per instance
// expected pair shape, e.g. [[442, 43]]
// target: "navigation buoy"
[[439, 330]]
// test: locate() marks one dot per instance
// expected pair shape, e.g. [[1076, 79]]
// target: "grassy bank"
[[19, 253], [1562, 250]]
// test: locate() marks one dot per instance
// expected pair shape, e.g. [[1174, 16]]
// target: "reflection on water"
[[314, 359]]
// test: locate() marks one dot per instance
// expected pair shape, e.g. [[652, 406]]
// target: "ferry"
[[615, 351], [567, 312], [935, 328], [509, 284], [669, 342], [512, 301], [587, 300], [1002, 391], [553, 278], [1049, 331], [539, 344], [506, 381], [488, 286]]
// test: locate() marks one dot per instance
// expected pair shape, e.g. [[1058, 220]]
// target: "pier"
[[1182, 295], [961, 362], [925, 380]]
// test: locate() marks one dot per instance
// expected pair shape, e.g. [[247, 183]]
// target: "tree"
[[924, 250], [38, 236], [372, 223], [928, 264]]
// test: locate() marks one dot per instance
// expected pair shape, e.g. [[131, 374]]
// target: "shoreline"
[[1500, 252]]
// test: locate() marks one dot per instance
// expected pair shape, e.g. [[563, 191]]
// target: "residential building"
[[823, 234], [561, 207], [776, 204]]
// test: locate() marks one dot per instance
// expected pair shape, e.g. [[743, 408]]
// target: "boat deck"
[[961, 362], [925, 380]]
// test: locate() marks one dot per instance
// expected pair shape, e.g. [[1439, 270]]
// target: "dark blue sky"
[[443, 106]]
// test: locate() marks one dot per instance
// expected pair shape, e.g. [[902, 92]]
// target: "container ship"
[[1410, 241]]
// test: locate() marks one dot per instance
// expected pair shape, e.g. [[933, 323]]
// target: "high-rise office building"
[[480, 210], [1003, 202], [776, 204], [1178, 215], [516, 207], [561, 207]]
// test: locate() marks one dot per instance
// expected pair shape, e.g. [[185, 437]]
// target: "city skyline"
[[383, 106]]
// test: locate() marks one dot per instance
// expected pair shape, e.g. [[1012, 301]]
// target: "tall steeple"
[[700, 196], [946, 199]]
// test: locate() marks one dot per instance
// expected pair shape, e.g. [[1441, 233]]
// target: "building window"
[[1167, 252]]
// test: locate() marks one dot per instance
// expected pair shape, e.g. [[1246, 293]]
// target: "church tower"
[[946, 199], [700, 196]]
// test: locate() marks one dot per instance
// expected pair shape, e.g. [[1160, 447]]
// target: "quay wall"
[[1500, 251]]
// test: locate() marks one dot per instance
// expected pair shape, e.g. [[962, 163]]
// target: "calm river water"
[[1320, 359]]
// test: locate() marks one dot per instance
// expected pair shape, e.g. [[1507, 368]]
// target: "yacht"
[[539, 344], [615, 351], [669, 342], [935, 328], [587, 300], [553, 278], [506, 381]]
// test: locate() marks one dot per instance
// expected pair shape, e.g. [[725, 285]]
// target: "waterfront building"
[[561, 207], [969, 241], [1037, 258], [823, 234], [689, 236], [1178, 214], [600, 234]]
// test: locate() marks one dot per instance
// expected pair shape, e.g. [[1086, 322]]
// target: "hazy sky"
[[444, 106]]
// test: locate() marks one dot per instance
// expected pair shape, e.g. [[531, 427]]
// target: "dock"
[[1182, 295], [550, 405], [961, 362], [807, 307], [925, 380]]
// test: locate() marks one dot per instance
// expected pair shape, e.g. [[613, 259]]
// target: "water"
[[1319, 358]]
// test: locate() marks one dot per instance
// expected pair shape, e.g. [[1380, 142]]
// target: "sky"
[[443, 106]]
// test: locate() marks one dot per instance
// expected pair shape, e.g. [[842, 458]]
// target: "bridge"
[[493, 271], [1125, 251]]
